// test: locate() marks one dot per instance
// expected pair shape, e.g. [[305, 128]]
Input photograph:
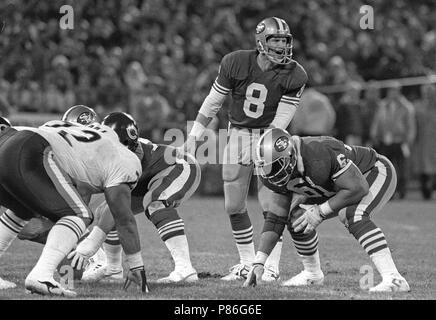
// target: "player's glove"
[[137, 276], [309, 220], [80, 256], [254, 275]]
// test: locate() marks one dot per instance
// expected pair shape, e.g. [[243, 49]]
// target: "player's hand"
[[254, 275], [188, 147], [80, 256], [137, 276], [309, 220], [78, 259]]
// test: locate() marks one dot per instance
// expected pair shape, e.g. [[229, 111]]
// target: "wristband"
[[197, 130], [134, 260], [325, 209], [97, 236], [260, 258]]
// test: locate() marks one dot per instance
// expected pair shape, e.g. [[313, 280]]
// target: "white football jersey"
[[91, 155]]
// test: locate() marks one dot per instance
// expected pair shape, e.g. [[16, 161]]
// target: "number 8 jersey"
[[92, 156], [256, 94]]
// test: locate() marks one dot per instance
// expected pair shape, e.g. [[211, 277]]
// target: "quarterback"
[[52, 171], [265, 85], [332, 179]]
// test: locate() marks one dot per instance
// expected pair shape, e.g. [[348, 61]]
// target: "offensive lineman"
[[333, 179], [265, 85], [52, 171]]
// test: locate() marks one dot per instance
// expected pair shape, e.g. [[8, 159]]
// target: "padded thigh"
[[236, 172], [274, 202]]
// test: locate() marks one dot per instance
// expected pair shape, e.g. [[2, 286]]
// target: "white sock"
[[384, 263], [61, 240], [10, 227], [100, 257], [311, 263], [246, 253], [114, 256], [273, 260], [179, 250]]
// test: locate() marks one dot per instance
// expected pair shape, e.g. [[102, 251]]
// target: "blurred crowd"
[[158, 58]]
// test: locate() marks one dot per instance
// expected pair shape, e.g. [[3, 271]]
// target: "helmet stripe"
[[279, 24]]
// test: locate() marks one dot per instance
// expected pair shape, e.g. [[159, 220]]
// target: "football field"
[[409, 225]]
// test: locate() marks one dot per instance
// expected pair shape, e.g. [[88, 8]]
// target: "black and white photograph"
[[215, 156]]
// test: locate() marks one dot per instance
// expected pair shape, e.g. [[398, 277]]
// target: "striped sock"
[[373, 241], [168, 223], [273, 260], [171, 229], [10, 227], [243, 235], [60, 241], [114, 251], [307, 249], [369, 236]]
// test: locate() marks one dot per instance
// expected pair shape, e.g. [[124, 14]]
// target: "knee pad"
[[36, 230], [274, 223], [153, 207]]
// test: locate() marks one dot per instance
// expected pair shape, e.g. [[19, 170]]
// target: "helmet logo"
[[260, 28], [132, 132], [84, 118], [281, 144]]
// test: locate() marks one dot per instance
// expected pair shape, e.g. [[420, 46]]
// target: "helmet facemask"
[[279, 171], [277, 54]]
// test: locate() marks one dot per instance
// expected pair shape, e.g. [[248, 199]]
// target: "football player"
[[52, 171], [265, 85], [332, 179], [165, 183], [37, 228]]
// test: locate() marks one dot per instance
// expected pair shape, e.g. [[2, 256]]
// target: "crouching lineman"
[[165, 183], [52, 171], [334, 179], [38, 227]]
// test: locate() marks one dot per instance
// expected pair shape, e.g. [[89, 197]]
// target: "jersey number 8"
[[255, 97]]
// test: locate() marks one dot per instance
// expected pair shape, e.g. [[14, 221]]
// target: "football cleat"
[[48, 287], [394, 283], [237, 272], [270, 274], [305, 278], [4, 284], [97, 264], [188, 275], [103, 273]]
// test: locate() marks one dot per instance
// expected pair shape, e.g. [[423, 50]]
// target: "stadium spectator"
[[315, 115], [369, 105], [425, 140], [349, 124], [393, 132], [152, 111]]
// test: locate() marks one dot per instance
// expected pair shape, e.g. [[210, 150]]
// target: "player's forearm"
[[211, 105], [285, 113], [344, 198], [119, 201]]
